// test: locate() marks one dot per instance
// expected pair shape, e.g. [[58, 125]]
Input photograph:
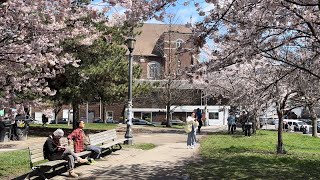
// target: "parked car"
[[173, 122], [308, 121], [98, 121], [61, 121], [274, 121], [112, 121], [297, 125], [136, 121]]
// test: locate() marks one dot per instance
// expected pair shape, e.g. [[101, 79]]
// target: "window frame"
[[150, 66], [179, 43]]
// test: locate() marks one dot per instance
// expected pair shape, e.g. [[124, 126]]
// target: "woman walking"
[[190, 128]]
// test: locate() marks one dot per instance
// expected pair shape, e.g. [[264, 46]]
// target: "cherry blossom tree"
[[244, 31], [31, 34], [30, 51], [256, 86], [249, 29]]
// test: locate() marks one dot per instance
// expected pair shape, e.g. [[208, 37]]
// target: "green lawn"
[[14, 163], [88, 126], [224, 156]]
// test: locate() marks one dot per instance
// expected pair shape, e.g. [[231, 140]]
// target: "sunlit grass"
[[14, 163], [225, 156]]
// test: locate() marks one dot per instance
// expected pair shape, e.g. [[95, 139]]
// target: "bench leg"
[[40, 172], [115, 149], [28, 176]]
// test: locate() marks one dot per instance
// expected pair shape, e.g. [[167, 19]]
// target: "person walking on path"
[[53, 150], [199, 119], [81, 142], [44, 120], [190, 128], [231, 123]]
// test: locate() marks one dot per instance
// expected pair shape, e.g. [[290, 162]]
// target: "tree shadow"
[[155, 171], [244, 166]]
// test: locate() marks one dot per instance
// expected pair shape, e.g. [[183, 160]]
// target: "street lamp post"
[[130, 44]]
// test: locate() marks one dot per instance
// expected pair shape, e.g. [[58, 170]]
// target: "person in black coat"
[[199, 119], [53, 150], [44, 120]]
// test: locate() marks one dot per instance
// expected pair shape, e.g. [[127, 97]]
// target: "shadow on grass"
[[255, 166]]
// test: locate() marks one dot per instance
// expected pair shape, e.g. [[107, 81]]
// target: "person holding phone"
[[53, 150]]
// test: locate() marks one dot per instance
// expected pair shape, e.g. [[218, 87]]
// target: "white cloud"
[[154, 21]]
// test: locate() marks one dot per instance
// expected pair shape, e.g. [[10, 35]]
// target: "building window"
[[109, 115], [179, 43], [213, 115], [153, 70]]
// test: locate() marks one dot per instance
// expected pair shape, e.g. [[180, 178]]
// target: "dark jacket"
[[50, 149]]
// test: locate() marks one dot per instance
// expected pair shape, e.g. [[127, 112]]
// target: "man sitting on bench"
[[53, 150], [82, 143]]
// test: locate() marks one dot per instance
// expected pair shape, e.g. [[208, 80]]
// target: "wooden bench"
[[36, 156], [107, 140]]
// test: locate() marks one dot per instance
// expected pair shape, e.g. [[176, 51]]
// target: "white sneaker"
[[192, 147], [188, 147]]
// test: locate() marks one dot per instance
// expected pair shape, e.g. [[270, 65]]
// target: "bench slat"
[[102, 137], [108, 145], [83, 153], [52, 163]]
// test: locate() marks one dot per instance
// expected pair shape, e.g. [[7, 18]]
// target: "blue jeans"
[[96, 151], [191, 140]]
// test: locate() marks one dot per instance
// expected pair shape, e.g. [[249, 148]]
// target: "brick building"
[[162, 51]]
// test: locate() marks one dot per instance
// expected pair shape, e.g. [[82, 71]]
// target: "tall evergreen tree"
[[102, 73]]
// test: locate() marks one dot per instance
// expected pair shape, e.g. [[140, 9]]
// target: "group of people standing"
[[193, 126], [54, 150], [244, 119]]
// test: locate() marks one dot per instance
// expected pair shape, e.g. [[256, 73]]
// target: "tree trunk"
[[124, 114], [257, 120], [56, 112], [103, 113], [75, 108], [168, 124], [280, 148], [313, 120]]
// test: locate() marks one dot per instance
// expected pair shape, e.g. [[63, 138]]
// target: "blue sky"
[[180, 14]]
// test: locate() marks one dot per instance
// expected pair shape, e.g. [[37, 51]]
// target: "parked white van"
[[296, 125]]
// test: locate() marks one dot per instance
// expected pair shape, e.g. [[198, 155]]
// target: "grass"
[[224, 156], [13, 163], [172, 126], [143, 146], [88, 126]]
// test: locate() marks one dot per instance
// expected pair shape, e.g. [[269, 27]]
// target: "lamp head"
[[130, 43]]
